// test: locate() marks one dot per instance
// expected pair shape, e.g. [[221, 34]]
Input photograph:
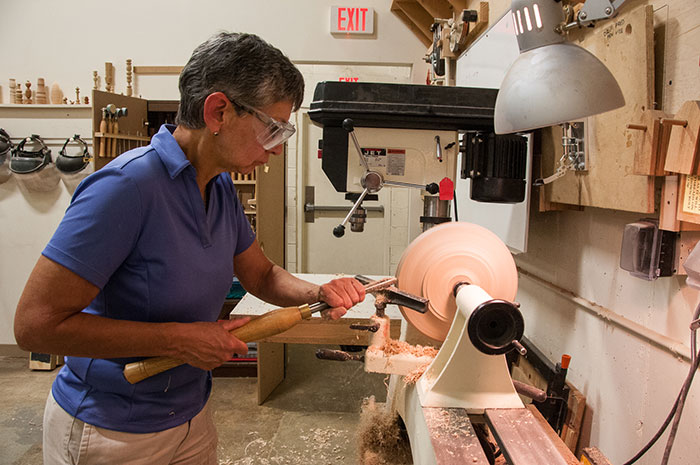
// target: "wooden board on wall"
[[626, 46]]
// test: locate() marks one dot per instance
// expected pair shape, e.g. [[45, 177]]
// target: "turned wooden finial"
[[129, 90], [109, 82], [28, 93]]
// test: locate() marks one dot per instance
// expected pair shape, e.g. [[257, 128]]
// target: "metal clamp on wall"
[[574, 157]]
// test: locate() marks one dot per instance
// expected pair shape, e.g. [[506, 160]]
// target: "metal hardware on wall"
[[574, 157], [572, 140]]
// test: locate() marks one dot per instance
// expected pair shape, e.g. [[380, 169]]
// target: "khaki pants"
[[69, 441]]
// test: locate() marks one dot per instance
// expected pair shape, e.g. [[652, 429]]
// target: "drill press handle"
[[349, 126], [372, 181], [339, 231]]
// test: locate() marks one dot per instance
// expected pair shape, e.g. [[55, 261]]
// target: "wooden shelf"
[[122, 136], [44, 106], [157, 70], [250, 183]]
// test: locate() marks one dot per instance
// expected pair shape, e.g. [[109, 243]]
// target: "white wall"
[[70, 39], [629, 381], [629, 338]]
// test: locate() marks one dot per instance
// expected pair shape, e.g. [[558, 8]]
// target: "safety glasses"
[[275, 132]]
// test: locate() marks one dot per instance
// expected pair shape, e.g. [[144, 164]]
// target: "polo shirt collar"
[[169, 150]]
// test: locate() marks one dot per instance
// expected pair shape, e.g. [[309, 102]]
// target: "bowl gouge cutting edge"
[[266, 325]]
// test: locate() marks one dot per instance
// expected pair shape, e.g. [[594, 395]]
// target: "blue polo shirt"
[[138, 229]]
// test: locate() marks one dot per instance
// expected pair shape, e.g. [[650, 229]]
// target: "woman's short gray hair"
[[245, 68]]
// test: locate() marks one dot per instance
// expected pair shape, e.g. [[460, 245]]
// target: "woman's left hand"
[[341, 294]]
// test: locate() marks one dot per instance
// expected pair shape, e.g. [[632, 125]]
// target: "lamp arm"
[[594, 10]]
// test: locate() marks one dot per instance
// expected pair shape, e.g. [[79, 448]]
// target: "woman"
[[144, 257]]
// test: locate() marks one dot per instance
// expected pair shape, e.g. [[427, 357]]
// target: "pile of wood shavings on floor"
[[381, 440], [315, 446]]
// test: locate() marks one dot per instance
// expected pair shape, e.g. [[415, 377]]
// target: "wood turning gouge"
[[269, 324]]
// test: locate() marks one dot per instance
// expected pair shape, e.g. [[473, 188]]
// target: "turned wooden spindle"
[[109, 83], [129, 90], [13, 91], [41, 97], [28, 93]]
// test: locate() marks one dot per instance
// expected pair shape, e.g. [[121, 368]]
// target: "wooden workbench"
[[271, 351]]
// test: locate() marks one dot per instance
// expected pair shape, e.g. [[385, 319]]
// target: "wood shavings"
[[414, 376], [381, 299], [393, 347], [387, 355], [389, 346], [381, 440], [322, 444]]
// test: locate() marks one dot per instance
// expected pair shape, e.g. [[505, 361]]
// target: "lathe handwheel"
[[448, 254]]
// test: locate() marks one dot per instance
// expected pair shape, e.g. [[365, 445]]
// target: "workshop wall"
[[65, 42], [629, 338]]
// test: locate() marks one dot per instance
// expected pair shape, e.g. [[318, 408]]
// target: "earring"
[[216, 133]]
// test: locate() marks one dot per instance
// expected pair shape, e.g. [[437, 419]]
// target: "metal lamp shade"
[[554, 84]]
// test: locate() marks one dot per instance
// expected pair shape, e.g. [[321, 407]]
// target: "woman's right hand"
[[207, 345]]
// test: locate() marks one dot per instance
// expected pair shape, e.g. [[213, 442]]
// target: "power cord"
[[677, 409]]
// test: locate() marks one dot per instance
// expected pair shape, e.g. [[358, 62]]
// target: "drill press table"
[[316, 330]]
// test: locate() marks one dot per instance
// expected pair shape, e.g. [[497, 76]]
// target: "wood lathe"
[[470, 280]]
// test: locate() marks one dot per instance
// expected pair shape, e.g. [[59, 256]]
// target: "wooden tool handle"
[[115, 130], [271, 323], [103, 142], [138, 371]]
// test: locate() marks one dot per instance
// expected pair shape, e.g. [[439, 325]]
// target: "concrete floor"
[[310, 419]]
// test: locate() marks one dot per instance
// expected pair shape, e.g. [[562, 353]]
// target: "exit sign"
[[352, 20]]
